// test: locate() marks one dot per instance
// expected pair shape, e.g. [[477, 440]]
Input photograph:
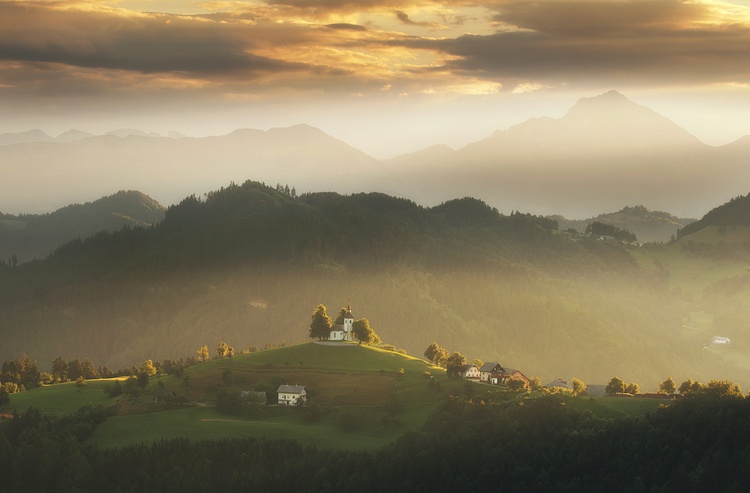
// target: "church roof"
[[349, 312]]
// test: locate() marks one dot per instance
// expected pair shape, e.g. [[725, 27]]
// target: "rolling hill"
[[29, 236]]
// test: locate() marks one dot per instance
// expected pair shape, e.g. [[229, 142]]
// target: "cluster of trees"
[[321, 325], [453, 363], [688, 388], [603, 229], [618, 386]]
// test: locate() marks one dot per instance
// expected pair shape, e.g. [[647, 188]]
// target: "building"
[[487, 371], [470, 371], [292, 395], [344, 332]]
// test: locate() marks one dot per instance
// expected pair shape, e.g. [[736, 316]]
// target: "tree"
[[615, 386], [579, 388], [364, 333], [668, 386], [432, 351], [535, 383], [686, 386], [230, 352], [142, 379], [478, 363], [441, 358], [60, 369], [149, 368], [320, 325], [80, 383], [516, 385], [632, 388], [221, 349], [203, 353], [454, 363]]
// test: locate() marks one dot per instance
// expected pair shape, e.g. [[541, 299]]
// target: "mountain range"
[[605, 153]]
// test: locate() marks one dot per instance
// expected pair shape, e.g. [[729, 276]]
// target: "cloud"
[[404, 18], [629, 43], [147, 43]]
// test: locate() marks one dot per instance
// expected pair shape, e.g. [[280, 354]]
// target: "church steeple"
[[348, 323]]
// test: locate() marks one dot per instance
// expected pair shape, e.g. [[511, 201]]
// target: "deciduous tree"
[[668, 386], [454, 363], [364, 333], [202, 353], [615, 386], [320, 325], [579, 388], [221, 349]]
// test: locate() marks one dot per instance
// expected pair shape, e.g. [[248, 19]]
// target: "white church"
[[343, 332]]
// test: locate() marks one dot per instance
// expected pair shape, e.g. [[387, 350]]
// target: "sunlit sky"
[[386, 76]]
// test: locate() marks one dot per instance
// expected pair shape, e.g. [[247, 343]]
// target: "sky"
[[386, 76]]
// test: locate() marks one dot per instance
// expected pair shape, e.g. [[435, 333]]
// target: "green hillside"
[[359, 397]]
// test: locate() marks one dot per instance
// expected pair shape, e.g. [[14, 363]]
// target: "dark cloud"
[[404, 18], [144, 43], [346, 27], [634, 43]]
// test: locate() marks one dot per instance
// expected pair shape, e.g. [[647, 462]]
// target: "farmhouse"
[[292, 395], [489, 369], [495, 374], [470, 371], [343, 332]]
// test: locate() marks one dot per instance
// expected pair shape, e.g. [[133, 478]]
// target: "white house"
[[291, 395], [470, 371], [343, 332]]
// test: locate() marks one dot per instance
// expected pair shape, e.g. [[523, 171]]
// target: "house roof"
[[291, 389], [490, 366], [467, 367]]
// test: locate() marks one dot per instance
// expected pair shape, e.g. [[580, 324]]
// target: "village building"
[[292, 395], [470, 371], [489, 369], [496, 374], [343, 332]]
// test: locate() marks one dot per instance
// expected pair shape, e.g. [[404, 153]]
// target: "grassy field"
[[361, 398], [61, 398]]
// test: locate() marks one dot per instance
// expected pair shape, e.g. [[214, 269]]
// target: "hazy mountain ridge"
[[31, 236], [647, 225], [604, 153]]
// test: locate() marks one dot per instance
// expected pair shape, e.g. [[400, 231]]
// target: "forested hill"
[[29, 236], [647, 225], [736, 212], [248, 263], [256, 224]]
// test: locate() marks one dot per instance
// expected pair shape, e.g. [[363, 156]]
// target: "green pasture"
[[206, 423], [61, 398]]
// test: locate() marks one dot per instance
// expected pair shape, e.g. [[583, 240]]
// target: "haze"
[[386, 76]]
